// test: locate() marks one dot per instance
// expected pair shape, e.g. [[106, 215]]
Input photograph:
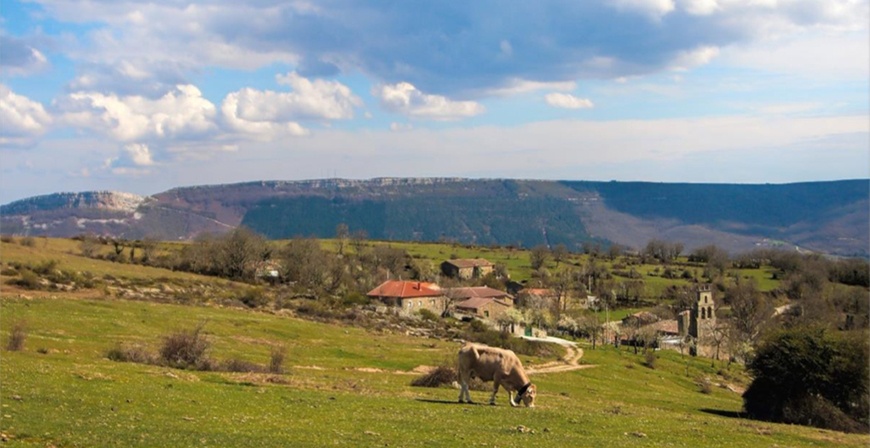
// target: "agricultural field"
[[342, 385]]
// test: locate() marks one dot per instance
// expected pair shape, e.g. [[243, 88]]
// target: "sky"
[[143, 97]]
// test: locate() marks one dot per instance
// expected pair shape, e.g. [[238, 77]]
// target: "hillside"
[[830, 217], [343, 385]]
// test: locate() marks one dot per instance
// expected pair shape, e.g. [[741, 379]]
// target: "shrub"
[[254, 298], [811, 376], [7, 239], [27, 280], [130, 353], [355, 298], [10, 271], [46, 267], [186, 349], [427, 315], [437, 377], [276, 361], [240, 365], [28, 241], [649, 359], [445, 375], [17, 337]]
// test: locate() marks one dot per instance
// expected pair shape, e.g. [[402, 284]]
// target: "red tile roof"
[[476, 303], [476, 291], [469, 262], [404, 289]]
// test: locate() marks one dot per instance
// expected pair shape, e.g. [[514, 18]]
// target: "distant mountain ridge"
[[831, 217]]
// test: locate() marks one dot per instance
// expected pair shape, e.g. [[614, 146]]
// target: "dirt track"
[[569, 362]]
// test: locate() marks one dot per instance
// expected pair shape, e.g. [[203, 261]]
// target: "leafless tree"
[[342, 235], [538, 256]]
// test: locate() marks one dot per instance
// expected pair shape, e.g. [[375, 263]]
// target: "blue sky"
[[142, 97]]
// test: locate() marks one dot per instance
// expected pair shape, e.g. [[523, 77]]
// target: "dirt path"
[[569, 362]]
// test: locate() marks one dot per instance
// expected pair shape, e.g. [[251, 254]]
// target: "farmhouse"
[[483, 307], [483, 292], [410, 296], [535, 297], [466, 268]]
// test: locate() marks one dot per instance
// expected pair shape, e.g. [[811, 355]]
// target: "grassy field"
[[345, 387]]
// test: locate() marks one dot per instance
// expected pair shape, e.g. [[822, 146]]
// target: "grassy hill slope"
[[344, 386]]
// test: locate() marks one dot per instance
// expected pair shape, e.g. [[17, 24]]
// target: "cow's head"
[[529, 396]]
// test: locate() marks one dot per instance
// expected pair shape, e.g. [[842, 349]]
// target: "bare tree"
[[149, 246], [538, 256], [560, 253], [358, 241], [89, 245], [342, 235]]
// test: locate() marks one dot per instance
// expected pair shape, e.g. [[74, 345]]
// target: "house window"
[[419, 303], [710, 312], [486, 313], [410, 304], [703, 313]]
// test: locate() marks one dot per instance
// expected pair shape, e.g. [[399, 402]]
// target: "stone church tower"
[[701, 318]]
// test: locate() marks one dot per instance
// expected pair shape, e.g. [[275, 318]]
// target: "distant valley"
[[830, 217]]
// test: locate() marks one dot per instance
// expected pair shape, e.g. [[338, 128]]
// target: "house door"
[[528, 331]]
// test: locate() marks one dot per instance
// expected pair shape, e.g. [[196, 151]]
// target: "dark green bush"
[[811, 376]]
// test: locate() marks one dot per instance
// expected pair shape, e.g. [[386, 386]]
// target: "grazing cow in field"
[[502, 367]]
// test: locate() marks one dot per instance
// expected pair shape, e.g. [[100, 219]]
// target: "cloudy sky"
[[142, 97]]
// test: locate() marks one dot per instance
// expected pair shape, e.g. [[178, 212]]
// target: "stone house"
[[467, 268], [482, 307], [408, 297]]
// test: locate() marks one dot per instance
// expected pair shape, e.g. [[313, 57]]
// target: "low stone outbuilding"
[[467, 268], [484, 308]]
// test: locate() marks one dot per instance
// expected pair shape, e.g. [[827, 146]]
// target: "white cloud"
[[694, 58], [654, 8], [139, 154], [180, 113], [517, 86], [406, 99], [258, 129], [567, 101], [22, 118], [700, 7], [317, 99]]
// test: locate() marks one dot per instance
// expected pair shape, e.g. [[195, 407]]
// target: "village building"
[[409, 297], [699, 321], [483, 307], [535, 297], [467, 268], [484, 292]]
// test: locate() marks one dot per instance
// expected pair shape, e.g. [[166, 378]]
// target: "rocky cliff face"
[[97, 200]]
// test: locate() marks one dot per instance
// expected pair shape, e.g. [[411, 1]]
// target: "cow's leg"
[[495, 384], [464, 379], [511, 398]]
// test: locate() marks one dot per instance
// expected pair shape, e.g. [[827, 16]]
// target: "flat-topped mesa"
[[104, 200]]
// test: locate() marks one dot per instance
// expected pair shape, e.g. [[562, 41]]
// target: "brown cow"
[[502, 367]]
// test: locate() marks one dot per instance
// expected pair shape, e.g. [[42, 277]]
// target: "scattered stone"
[[188, 419], [636, 434], [370, 433], [16, 397], [525, 430]]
